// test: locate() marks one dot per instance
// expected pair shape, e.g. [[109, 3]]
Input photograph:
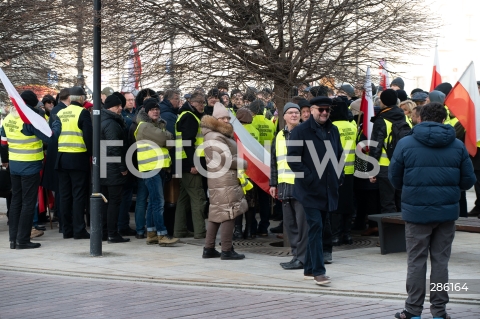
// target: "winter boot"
[[166, 240], [237, 233], [152, 238], [231, 255], [210, 253]]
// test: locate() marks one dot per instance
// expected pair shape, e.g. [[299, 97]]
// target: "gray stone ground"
[[133, 279]]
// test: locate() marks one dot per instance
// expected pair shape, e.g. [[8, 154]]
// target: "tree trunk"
[[282, 96]]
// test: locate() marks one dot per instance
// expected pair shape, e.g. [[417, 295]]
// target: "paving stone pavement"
[[27, 295]]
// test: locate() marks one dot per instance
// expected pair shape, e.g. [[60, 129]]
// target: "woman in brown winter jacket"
[[227, 199]]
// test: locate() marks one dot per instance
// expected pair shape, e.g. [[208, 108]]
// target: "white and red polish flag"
[[436, 76], [384, 77], [257, 157], [464, 102], [133, 67], [367, 105], [27, 115]]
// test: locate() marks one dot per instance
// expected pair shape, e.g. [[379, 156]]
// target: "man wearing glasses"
[[129, 109], [316, 187]]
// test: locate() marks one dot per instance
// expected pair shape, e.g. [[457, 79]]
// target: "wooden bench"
[[391, 230]]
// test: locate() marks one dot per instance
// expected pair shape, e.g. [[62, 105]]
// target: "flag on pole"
[[384, 77], [367, 105], [257, 157], [134, 69], [436, 77], [464, 102], [27, 115]]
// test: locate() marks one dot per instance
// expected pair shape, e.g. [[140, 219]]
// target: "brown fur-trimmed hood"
[[209, 123]]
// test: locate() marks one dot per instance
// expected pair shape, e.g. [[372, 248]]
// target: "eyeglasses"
[[322, 109], [293, 113]]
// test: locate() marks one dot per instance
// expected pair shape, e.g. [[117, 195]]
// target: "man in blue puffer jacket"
[[431, 167]]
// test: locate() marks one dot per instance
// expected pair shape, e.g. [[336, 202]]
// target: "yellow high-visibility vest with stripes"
[[179, 152], [285, 174], [244, 181], [71, 137], [348, 133], [21, 147], [151, 158], [252, 130], [384, 161]]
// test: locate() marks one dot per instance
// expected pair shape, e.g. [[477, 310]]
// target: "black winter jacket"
[[113, 128], [188, 125], [316, 189]]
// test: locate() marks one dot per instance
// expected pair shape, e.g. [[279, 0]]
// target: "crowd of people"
[[179, 138]]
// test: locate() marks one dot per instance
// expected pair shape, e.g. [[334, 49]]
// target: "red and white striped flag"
[[384, 76], [258, 159], [436, 77], [464, 102], [27, 115], [134, 70], [367, 106]]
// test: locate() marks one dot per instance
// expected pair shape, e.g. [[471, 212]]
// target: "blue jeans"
[[156, 203], [124, 215], [141, 206], [314, 255]]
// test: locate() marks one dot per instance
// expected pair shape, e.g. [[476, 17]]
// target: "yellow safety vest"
[[179, 151], [151, 158], [244, 181], [21, 147], [264, 127], [252, 130], [384, 161], [348, 133], [285, 174], [71, 137]]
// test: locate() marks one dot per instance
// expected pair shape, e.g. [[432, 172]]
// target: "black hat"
[[29, 98], [213, 92], [77, 90], [150, 103], [415, 91], [111, 101], [444, 87], [121, 97], [321, 90], [321, 100], [398, 82], [389, 97], [303, 103], [402, 95], [142, 94], [48, 98], [257, 107]]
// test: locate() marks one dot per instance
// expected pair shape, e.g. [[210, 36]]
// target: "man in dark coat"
[[50, 177], [431, 166], [389, 197], [316, 190], [169, 109], [114, 176]]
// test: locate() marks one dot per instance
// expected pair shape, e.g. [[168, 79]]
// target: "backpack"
[[399, 130]]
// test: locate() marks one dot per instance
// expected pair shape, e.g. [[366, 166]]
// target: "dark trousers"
[[264, 208], [22, 208], [314, 255], [111, 210], [420, 239], [341, 219], [226, 234], [296, 227], [390, 198], [477, 189], [124, 215], [367, 204], [73, 197]]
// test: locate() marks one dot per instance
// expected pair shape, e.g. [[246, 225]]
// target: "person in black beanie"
[[113, 129], [382, 127], [402, 95]]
